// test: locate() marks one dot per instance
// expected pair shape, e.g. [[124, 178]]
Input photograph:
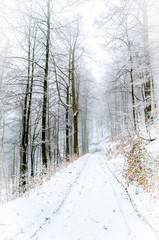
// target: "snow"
[[144, 203], [84, 201]]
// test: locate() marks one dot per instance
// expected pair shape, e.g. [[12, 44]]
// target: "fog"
[[72, 73]]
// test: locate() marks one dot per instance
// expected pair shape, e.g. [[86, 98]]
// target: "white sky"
[[89, 10]]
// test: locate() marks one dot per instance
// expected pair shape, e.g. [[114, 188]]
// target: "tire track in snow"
[[58, 208], [134, 206], [102, 164], [102, 173]]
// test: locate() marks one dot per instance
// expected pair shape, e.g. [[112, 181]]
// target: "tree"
[[66, 67], [45, 87], [126, 29], [148, 86], [31, 45]]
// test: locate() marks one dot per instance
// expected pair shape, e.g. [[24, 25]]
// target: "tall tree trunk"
[[74, 103], [45, 89], [49, 136], [149, 84], [67, 125], [24, 144], [132, 92], [29, 109], [57, 135]]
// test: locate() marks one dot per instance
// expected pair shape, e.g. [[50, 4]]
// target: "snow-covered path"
[[83, 202]]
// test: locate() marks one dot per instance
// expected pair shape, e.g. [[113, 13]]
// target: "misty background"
[[72, 73]]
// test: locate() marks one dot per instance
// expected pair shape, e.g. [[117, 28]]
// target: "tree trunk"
[[75, 110], [24, 145], [148, 78], [45, 89], [132, 93], [67, 125], [29, 107]]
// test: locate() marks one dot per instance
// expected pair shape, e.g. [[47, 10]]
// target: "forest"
[[72, 73]]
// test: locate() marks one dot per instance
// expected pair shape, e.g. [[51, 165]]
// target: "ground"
[[85, 201]]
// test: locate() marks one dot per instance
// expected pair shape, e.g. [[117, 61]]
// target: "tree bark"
[[67, 125], [45, 89], [132, 93], [23, 165], [74, 103]]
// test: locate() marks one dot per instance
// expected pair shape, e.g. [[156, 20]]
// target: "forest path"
[[97, 208], [82, 202]]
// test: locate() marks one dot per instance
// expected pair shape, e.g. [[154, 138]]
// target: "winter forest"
[[74, 74]]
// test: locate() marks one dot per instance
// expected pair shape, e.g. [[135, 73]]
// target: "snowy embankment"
[[23, 217], [145, 202], [84, 201]]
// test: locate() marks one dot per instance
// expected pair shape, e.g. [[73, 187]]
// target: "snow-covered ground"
[[85, 201]]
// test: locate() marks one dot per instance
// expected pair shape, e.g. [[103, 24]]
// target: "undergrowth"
[[45, 174], [17, 189], [140, 167]]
